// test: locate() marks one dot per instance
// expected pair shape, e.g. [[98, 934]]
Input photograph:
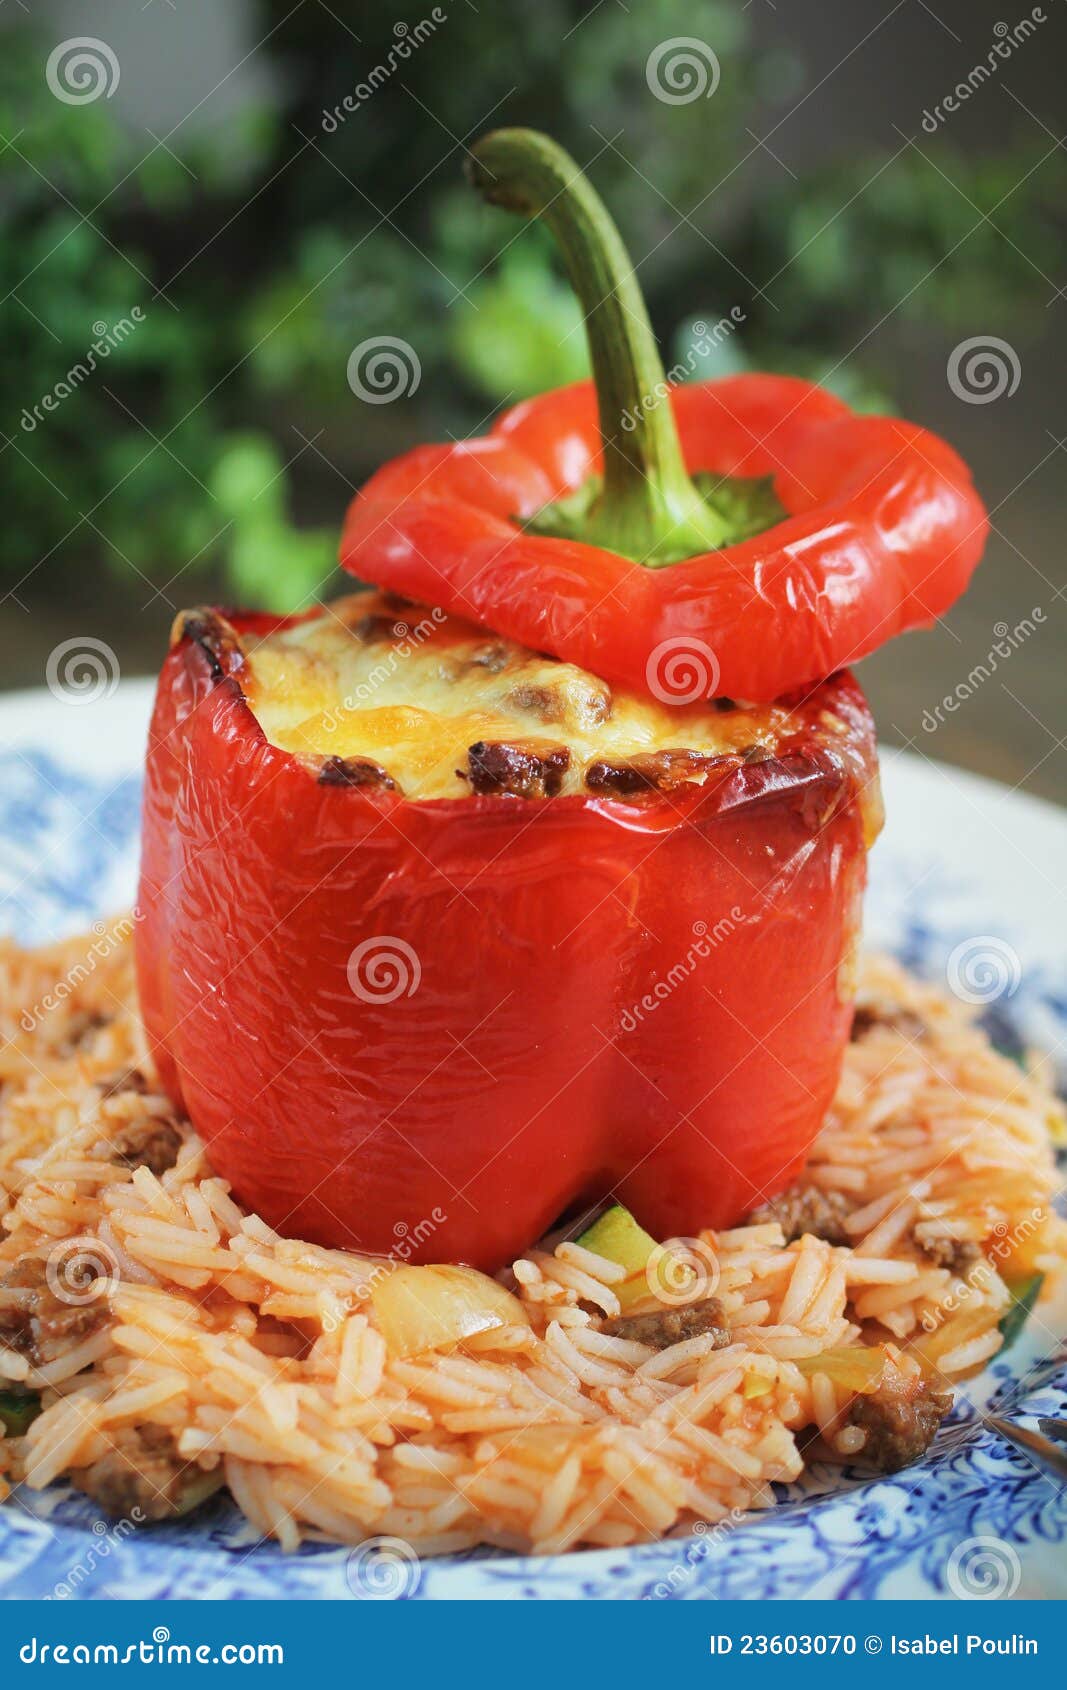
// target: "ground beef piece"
[[806, 1209], [899, 1426], [396, 602], [653, 771], [665, 1327], [525, 768], [150, 1143], [144, 1477], [493, 657], [867, 1017], [355, 771], [36, 1322], [582, 702], [82, 1028], [218, 639], [547, 702], [379, 625], [942, 1248], [127, 1079]]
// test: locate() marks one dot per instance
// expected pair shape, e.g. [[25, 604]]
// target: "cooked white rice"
[[260, 1355]]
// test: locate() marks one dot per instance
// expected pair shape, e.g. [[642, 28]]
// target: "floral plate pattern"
[[967, 881]]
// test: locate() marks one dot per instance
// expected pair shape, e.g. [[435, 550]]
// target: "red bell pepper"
[[605, 526], [432, 1026]]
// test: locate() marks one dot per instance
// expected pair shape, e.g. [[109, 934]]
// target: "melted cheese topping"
[[413, 690]]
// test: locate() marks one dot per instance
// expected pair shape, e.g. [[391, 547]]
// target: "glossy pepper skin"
[[590, 997], [884, 530]]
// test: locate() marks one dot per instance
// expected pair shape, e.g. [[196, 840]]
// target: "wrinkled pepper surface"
[[649, 1000], [594, 996], [608, 523]]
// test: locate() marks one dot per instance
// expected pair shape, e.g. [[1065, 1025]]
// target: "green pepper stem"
[[647, 507]]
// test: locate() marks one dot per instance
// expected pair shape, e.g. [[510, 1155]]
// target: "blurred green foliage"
[[222, 433]]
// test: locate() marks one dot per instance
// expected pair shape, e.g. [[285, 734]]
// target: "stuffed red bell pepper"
[[396, 998], [443, 933]]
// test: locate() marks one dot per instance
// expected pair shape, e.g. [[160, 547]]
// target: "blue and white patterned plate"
[[967, 876]]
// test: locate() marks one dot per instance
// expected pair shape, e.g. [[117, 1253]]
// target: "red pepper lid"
[[741, 537]]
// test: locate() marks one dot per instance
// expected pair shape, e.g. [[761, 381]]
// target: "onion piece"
[[854, 1367], [756, 1385], [435, 1307], [617, 1237]]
